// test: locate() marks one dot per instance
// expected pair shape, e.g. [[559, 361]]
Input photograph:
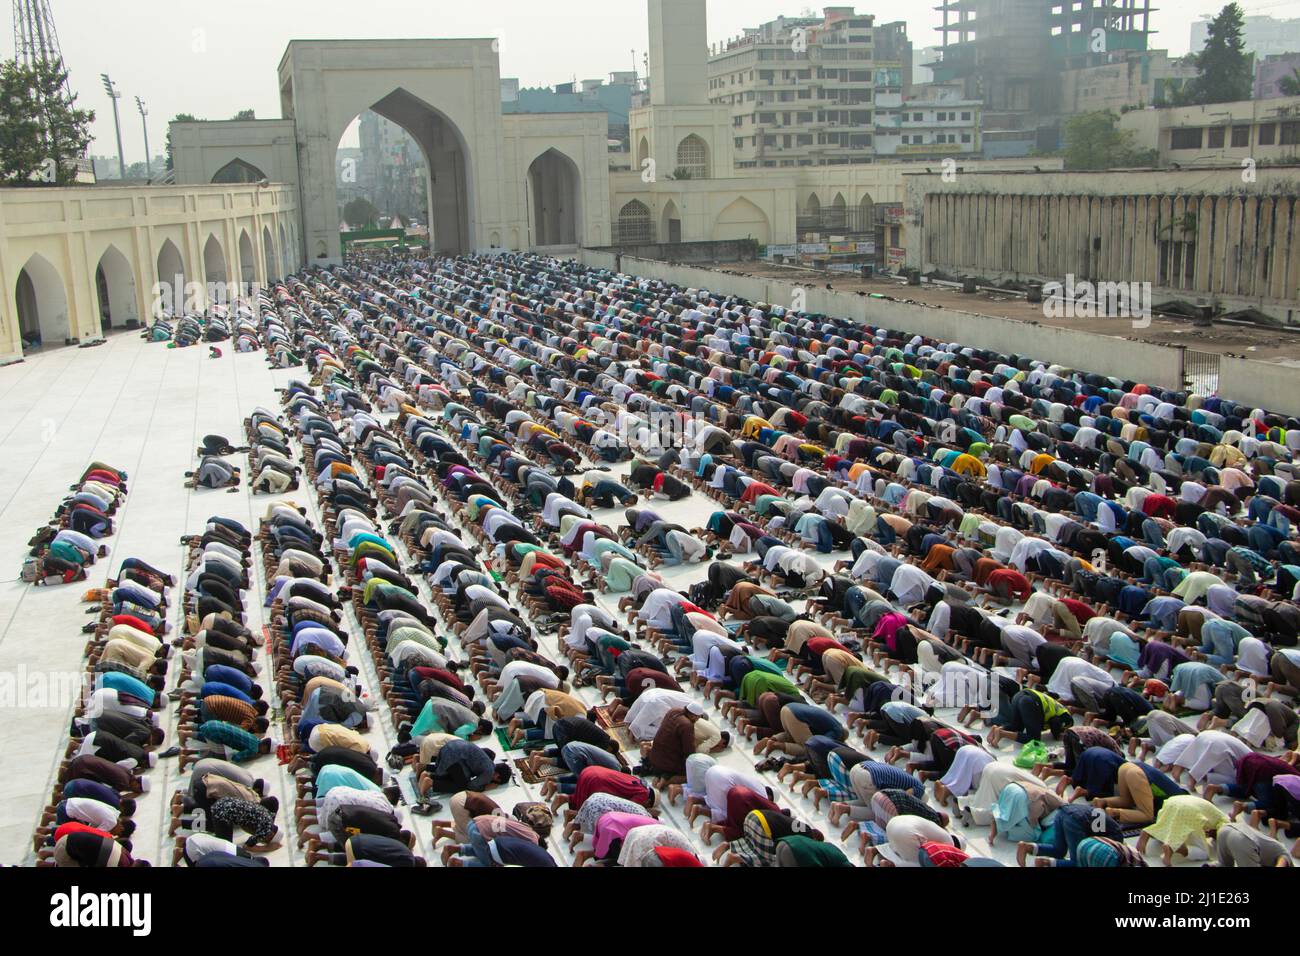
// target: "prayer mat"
[[503, 736], [545, 772]]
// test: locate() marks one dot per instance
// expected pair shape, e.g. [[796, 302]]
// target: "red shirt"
[[131, 620], [1082, 612], [1014, 582], [595, 780]]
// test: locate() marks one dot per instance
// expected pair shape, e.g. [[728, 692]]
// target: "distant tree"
[[39, 121], [1225, 71], [1290, 85], [360, 212], [178, 118], [1095, 141], [22, 149], [243, 115]]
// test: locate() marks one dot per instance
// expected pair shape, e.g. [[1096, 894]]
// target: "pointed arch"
[[812, 207], [442, 194], [169, 289], [115, 287], [634, 224], [238, 171], [42, 297], [836, 215], [216, 273], [741, 219], [670, 223], [247, 262], [866, 213], [271, 270], [642, 152], [555, 188], [692, 158]]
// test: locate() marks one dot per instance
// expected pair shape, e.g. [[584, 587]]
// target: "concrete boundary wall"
[[1262, 384]]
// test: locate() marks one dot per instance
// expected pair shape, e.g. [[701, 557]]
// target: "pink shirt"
[[614, 826]]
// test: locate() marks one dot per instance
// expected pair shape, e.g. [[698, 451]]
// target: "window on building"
[[1215, 137], [965, 116], [1267, 134], [965, 137], [1185, 138], [1290, 134], [1240, 137], [693, 157], [634, 223]]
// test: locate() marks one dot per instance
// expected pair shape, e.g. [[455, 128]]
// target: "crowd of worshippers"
[[432, 696], [349, 810], [436, 719], [72, 541], [223, 815], [220, 322], [1099, 504], [116, 727], [213, 470], [957, 589]]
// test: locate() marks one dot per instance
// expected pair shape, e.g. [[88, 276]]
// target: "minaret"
[[679, 53]]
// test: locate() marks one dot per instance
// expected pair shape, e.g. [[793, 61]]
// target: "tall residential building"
[[1263, 35], [935, 121], [803, 91], [921, 60], [1011, 54], [1131, 79], [1271, 71], [393, 173]]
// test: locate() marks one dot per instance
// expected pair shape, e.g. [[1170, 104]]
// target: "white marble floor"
[[141, 407]]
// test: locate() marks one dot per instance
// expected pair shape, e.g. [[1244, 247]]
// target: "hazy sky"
[[213, 59]]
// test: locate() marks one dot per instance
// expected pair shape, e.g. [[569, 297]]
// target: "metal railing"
[[1200, 371], [851, 219]]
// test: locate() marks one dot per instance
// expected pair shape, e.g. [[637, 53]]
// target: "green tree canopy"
[[1095, 141], [245, 115], [360, 212], [1290, 85], [1225, 71], [41, 129]]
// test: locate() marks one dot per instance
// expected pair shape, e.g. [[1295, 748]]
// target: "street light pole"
[[144, 121], [114, 95]]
